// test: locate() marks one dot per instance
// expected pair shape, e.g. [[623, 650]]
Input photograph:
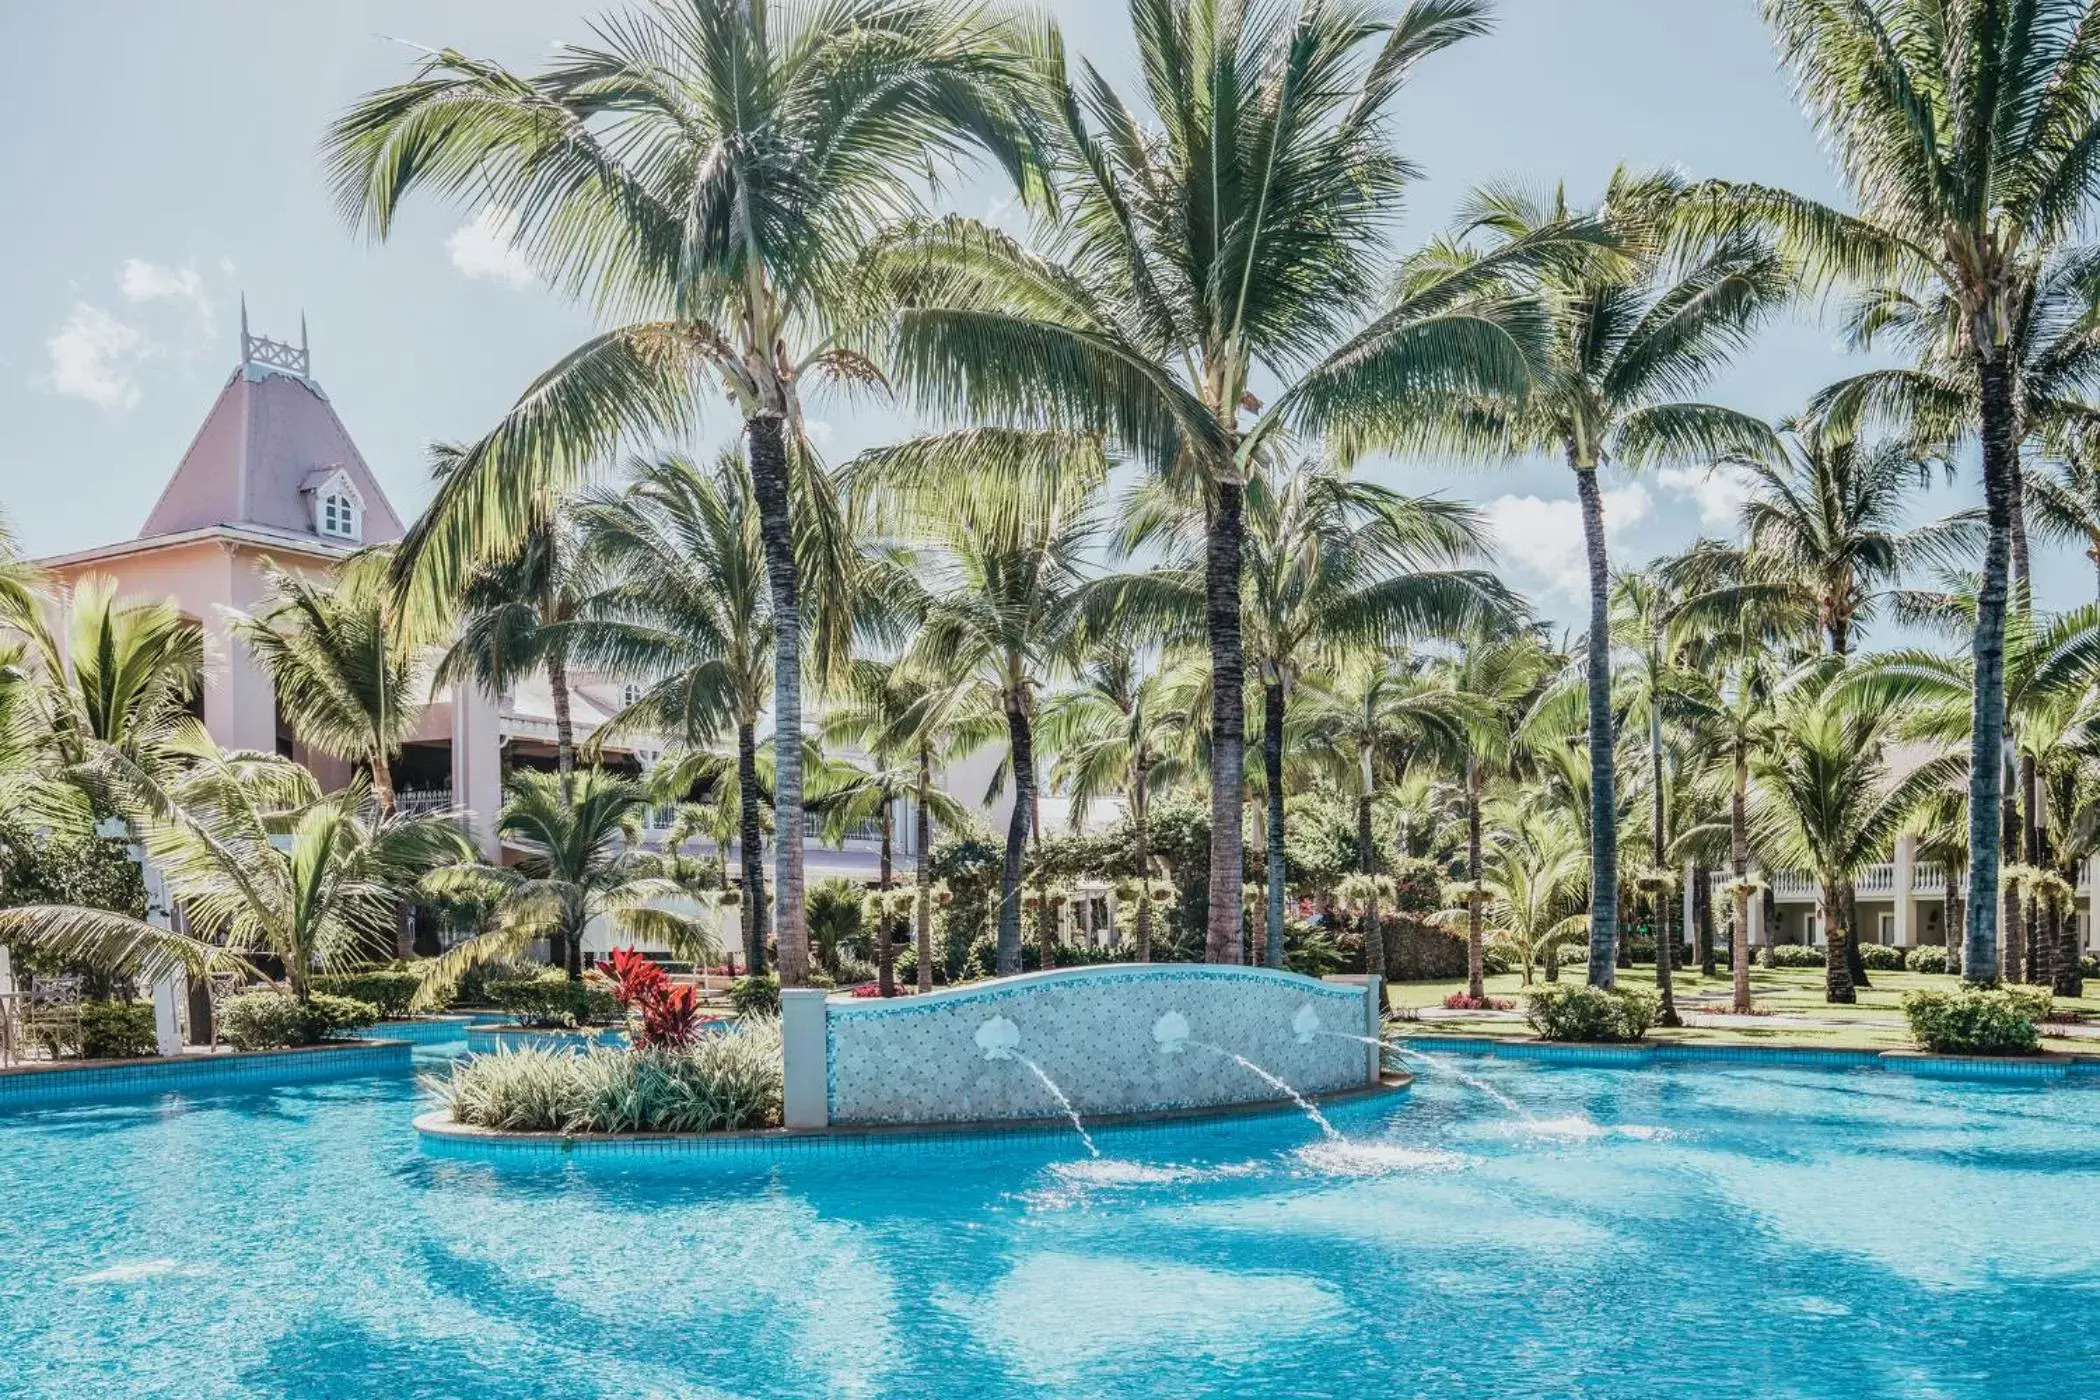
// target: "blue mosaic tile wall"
[[1092, 1031], [50, 1086]]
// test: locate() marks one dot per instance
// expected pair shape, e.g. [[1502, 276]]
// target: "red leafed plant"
[[1459, 1001], [670, 1014], [868, 989]]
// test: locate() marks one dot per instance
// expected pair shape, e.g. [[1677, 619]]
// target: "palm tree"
[[518, 619], [1368, 720], [1329, 562], [584, 861], [260, 860], [1634, 330], [1118, 732], [685, 608], [1005, 549], [1827, 518], [716, 175], [1228, 230], [1528, 891], [1964, 131], [880, 713], [345, 674], [2063, 501], [1828, 801], [125, 675], [1494, 677]]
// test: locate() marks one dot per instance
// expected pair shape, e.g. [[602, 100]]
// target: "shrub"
[[2089, 966], [388, 988], [1880, 957], [1565, 1011], [718, 1084], [1496, 960], [473, 989], [116, 1030], [1926, 960], [271, 1020], [1793, 955], [756, 996], [1459, 1001], [1976, 1020], [551, 1000], [669, 1014]]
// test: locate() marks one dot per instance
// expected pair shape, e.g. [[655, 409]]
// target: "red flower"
[[669, 1014]]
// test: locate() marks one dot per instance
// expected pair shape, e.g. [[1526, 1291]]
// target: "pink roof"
[[267, 439]]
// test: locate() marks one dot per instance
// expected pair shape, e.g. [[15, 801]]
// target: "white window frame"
[[335, 513]]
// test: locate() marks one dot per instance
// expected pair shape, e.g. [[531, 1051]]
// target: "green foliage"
[[1567, 1011], [1798, 955], [41, 867], [1977, 1020], [720, 1083], [116, 1030], [1319, 845], [833, 912], [1880, 957], [550, 1000], [270, 1020], [1925, 959], [983, 957], [474, 983], [389, 989], [756, 996], [1311, 950], [969, 867]]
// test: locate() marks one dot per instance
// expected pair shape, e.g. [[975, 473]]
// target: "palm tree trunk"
[[1367, 849], [1987, 718], [1855, 961], [382, 784], [2011, 947], [1021, 751], [1665, 933], [1703, 917], [769, 482], [1045, 916], [924, 837], [564, 724], [1837, 975], [1604, 831], [1141, 849], [1950, 918], [1273, 700], [2038, 948], [1228, 758], [751, 838], [885, 940], [1739, 869], [1476, 949], [2069, 978]]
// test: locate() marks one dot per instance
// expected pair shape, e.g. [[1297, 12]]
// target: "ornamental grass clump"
[[1562, 1011], [719, 1083], [1978, 1020]]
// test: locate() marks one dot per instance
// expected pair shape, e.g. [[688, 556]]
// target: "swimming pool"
[[1748, 1231]]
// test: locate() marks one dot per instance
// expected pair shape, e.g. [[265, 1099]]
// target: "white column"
[[477, 763], [172, 991], [805, 1098], [1690, 932], [1758, 937], [1906, 881]]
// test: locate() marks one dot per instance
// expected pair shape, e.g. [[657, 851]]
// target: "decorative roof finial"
[[265, 353]]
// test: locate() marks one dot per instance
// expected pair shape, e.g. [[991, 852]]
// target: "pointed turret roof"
[[271, 434]]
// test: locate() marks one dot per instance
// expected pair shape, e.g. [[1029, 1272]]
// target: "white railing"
[[1793, 884], [1928, 877], [414, 802], [1876, 879]]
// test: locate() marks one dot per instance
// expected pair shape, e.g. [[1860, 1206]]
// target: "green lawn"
[[1874, 1022]]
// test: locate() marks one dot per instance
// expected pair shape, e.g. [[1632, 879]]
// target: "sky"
[[168, 167]]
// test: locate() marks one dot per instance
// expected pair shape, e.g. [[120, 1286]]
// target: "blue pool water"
[[1692, 1231]]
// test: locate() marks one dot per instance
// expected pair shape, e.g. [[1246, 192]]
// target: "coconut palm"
[[1635, 330], [1828, 800], [518, 616], [712, 169], [1495, 676], [1329, 562], [1222, 233], [684, 608], [1827, 518], [1528, 890], [879, 712], [2063, 500], [1118, 732], [1964, 130], [259, 859], [1369, 719], [1004, 551], [125, 674], [345, 673], [584, 861]]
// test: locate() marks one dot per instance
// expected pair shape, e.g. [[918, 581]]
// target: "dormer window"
[[630, 695], [339, 512], [338, 516]]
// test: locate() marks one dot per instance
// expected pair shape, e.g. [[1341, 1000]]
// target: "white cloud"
[[484, 248], [95, 356], [1540, 541], [817, 431], [1719, 492], [141, 281]]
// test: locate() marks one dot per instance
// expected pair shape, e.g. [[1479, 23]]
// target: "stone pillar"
[[805, 1097], [172, 992], [1374, 1021], [1758, 937], [1906, 882], [1688, 926], [477, 764]]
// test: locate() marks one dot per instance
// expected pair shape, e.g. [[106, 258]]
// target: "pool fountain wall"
[[1121, 1039]]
